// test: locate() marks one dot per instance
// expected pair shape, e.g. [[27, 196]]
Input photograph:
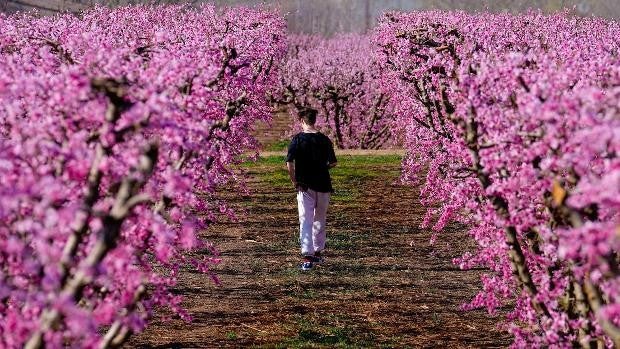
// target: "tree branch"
[[118, 333], [106, 241]]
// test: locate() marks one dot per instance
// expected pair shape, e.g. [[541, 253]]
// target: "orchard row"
[[517, 120], [118, 126]]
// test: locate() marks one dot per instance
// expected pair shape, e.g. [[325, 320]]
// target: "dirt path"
[[278, 129], [383, 285]]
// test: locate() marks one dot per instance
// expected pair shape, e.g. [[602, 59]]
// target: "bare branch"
[[118, 333], [106, 241], [57, 48]]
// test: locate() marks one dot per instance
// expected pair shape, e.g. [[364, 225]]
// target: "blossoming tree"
[[517, 120], [338, 78], [117, 125]]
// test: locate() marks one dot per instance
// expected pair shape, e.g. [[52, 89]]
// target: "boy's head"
[[308, 116]]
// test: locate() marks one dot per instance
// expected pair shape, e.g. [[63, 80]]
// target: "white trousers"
[[312, 207]]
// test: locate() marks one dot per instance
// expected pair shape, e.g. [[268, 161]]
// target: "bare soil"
[[383, 284]]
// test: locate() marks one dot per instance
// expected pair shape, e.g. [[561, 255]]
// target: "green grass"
[[308, 294], [347, 177], [345, 240], [344, 161], [278, 145], [313, 334], [333, 331], [330, 330], [265, 161]]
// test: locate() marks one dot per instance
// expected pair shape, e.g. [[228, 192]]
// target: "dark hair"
[[308, 115]]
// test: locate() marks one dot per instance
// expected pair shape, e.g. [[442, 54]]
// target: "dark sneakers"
[[306, 265], [318, 259], [311, 261]]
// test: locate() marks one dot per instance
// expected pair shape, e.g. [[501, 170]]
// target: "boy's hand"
[[295, 185], [301, 187]]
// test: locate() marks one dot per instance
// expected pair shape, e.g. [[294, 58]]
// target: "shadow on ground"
[[383, 284]]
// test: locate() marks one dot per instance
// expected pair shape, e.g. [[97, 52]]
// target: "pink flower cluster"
[[517, 119], [116, 127], [339, 78]]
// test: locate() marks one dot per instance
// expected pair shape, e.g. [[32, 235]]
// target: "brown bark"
[[127, 198]]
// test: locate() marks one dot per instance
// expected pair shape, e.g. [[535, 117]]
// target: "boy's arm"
[[290, 165], [331, 156], [290, 160]]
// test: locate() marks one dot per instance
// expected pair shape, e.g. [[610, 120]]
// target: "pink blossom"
[[86, 102]]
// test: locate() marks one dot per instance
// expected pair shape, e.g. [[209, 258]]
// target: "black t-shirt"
[[312, 153]]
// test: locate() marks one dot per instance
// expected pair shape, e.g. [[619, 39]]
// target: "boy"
[[310, 156]]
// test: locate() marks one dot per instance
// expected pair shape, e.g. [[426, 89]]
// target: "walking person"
[[310, 156]]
